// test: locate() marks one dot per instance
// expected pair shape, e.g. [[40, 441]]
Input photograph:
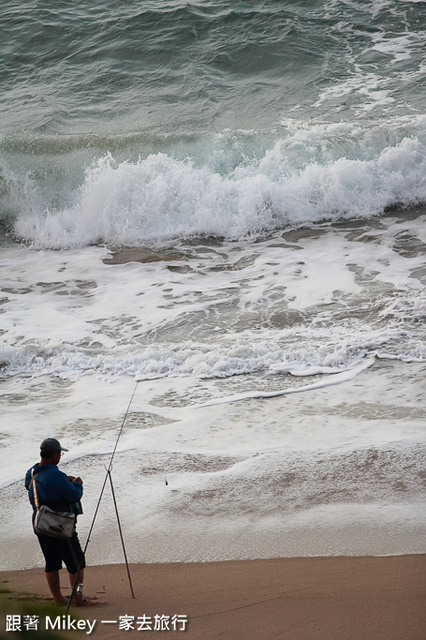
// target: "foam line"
[[337, 378]]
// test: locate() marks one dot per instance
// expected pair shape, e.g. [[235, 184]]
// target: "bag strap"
[[33, 482], [36, 502]]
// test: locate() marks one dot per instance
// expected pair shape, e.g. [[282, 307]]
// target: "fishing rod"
[[107, 477]]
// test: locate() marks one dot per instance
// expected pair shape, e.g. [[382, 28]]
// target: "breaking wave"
[[308, 175]]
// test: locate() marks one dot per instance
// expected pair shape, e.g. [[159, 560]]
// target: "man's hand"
[[77, 480]]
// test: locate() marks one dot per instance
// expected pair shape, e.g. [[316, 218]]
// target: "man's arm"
[[71, 490], [28, 479]]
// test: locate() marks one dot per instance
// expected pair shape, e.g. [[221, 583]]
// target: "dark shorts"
[[57, 550]]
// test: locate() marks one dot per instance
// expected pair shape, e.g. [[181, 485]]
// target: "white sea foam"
[[280, 388], [337, 378], [311, 174], [400, 47], [328, 460], [209, 321]]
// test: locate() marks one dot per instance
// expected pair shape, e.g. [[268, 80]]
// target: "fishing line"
[[107, 477]]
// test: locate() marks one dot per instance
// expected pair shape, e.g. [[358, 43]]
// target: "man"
[[61, 493]]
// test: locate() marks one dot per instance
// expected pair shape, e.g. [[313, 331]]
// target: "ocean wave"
[[209, 361], [319, 173]]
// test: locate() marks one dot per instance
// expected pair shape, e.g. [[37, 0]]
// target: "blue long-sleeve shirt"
[[53, 488]]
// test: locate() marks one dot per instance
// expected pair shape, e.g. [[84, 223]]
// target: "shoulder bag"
[[56, 524]]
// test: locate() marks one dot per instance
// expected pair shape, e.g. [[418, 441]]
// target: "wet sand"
[[329, 598]]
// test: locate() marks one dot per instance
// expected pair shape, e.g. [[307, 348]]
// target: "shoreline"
[[315, 598]]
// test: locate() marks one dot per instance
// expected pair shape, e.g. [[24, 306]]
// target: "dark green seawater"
[[210, 117], [112, 67]]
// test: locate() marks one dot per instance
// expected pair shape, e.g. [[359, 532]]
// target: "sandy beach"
[[334, 598]]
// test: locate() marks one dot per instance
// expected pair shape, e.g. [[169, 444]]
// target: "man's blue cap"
[[51, 445]]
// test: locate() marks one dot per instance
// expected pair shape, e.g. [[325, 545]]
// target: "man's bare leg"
[[77, 597], [54, 583]]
